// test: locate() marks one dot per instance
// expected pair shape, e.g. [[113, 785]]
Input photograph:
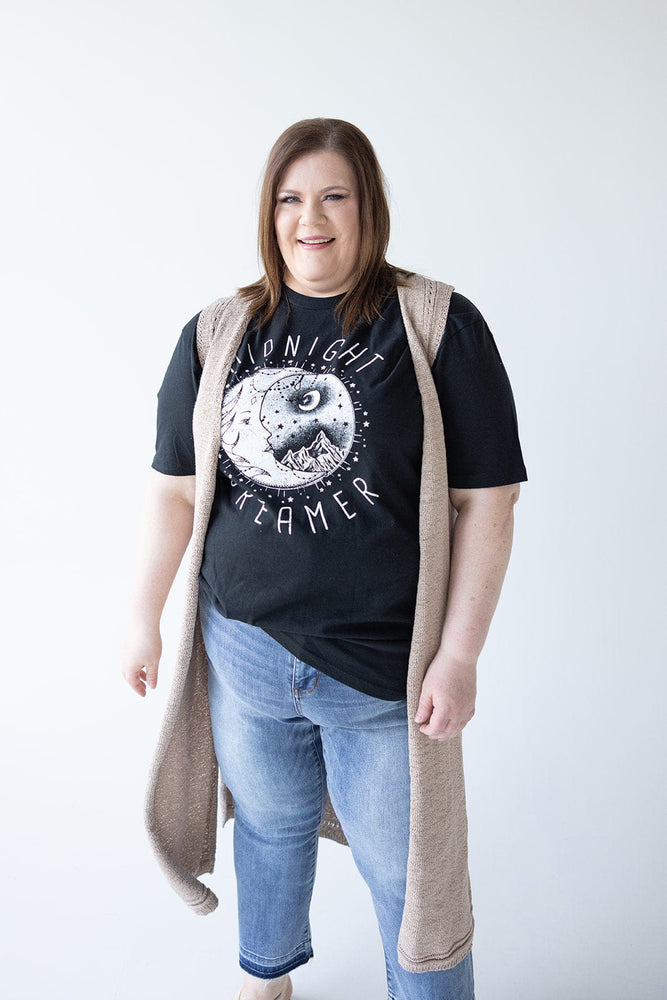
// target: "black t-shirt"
[[313, 534]]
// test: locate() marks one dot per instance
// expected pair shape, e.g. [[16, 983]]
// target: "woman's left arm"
[[481, 546]]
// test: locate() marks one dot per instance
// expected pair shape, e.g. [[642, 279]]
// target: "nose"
[[312, 212]]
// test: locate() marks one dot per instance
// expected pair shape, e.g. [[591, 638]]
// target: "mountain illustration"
[[321, 456]]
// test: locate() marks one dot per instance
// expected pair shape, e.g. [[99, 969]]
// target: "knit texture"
[[183, 794]]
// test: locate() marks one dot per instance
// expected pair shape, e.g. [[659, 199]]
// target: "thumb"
[[151, 674], [424, 708]]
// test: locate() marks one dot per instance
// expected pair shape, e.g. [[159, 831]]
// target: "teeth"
[[316, 241]]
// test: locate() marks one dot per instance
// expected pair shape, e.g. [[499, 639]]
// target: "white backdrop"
[[524, 145]]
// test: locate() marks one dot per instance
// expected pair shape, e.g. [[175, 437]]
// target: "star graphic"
[[366, 423]]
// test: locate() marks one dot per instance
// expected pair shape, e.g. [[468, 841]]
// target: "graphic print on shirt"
[[285, 428], [292, 433]]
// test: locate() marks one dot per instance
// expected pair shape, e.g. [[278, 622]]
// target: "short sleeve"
[[174, 445], [478, 411]]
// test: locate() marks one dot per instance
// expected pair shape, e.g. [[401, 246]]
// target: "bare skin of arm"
[[481, 546], [166, 530]]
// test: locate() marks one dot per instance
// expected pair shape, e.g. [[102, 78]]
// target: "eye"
[[336, 197], [309, 400], [288, 199]]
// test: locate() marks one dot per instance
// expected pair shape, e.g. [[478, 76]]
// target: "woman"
[[322, 667]]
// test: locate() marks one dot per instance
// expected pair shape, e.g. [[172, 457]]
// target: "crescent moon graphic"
[[284, 428]]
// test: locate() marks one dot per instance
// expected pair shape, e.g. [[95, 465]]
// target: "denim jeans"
[[284, 734]]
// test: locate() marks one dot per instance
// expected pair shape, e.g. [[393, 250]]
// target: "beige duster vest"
[[183, 794]]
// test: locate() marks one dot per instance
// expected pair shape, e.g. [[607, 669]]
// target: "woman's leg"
[[263, 698], [270, 758], [365, 743]]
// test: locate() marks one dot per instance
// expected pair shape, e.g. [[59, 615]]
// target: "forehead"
[[318, 170]]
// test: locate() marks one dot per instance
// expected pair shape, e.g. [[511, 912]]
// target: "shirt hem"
[[167, 471], [488, 482], [375, 691]]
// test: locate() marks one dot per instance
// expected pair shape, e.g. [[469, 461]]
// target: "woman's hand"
[[481, 544], [141, 657], [447, 701], [166, 531]]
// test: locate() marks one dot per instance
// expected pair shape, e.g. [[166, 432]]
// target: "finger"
[[424, 708], [135, 678], [148, 675], [437, 724], [151, 674], [139, 683], [450, 730]]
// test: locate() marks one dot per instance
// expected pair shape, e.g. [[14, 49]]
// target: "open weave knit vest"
[[184, 788]]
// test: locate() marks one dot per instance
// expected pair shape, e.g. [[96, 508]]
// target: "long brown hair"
[[374, 278]]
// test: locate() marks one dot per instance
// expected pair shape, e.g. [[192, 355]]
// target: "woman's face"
[[317, 224]]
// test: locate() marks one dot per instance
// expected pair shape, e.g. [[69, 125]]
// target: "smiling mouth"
[[316, 242]]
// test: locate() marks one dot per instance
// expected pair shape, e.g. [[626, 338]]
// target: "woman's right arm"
[[166, 530]]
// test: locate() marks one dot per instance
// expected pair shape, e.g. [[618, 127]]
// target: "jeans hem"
[[274, 972]]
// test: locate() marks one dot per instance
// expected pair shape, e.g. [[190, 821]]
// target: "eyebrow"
[[331, 187]]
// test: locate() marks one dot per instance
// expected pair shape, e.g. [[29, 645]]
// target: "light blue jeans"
[[285, 733]]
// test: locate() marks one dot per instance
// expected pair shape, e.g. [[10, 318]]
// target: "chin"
[[333, 280]]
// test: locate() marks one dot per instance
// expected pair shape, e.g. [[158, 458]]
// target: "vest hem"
[[434, 963], [207, 904]]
